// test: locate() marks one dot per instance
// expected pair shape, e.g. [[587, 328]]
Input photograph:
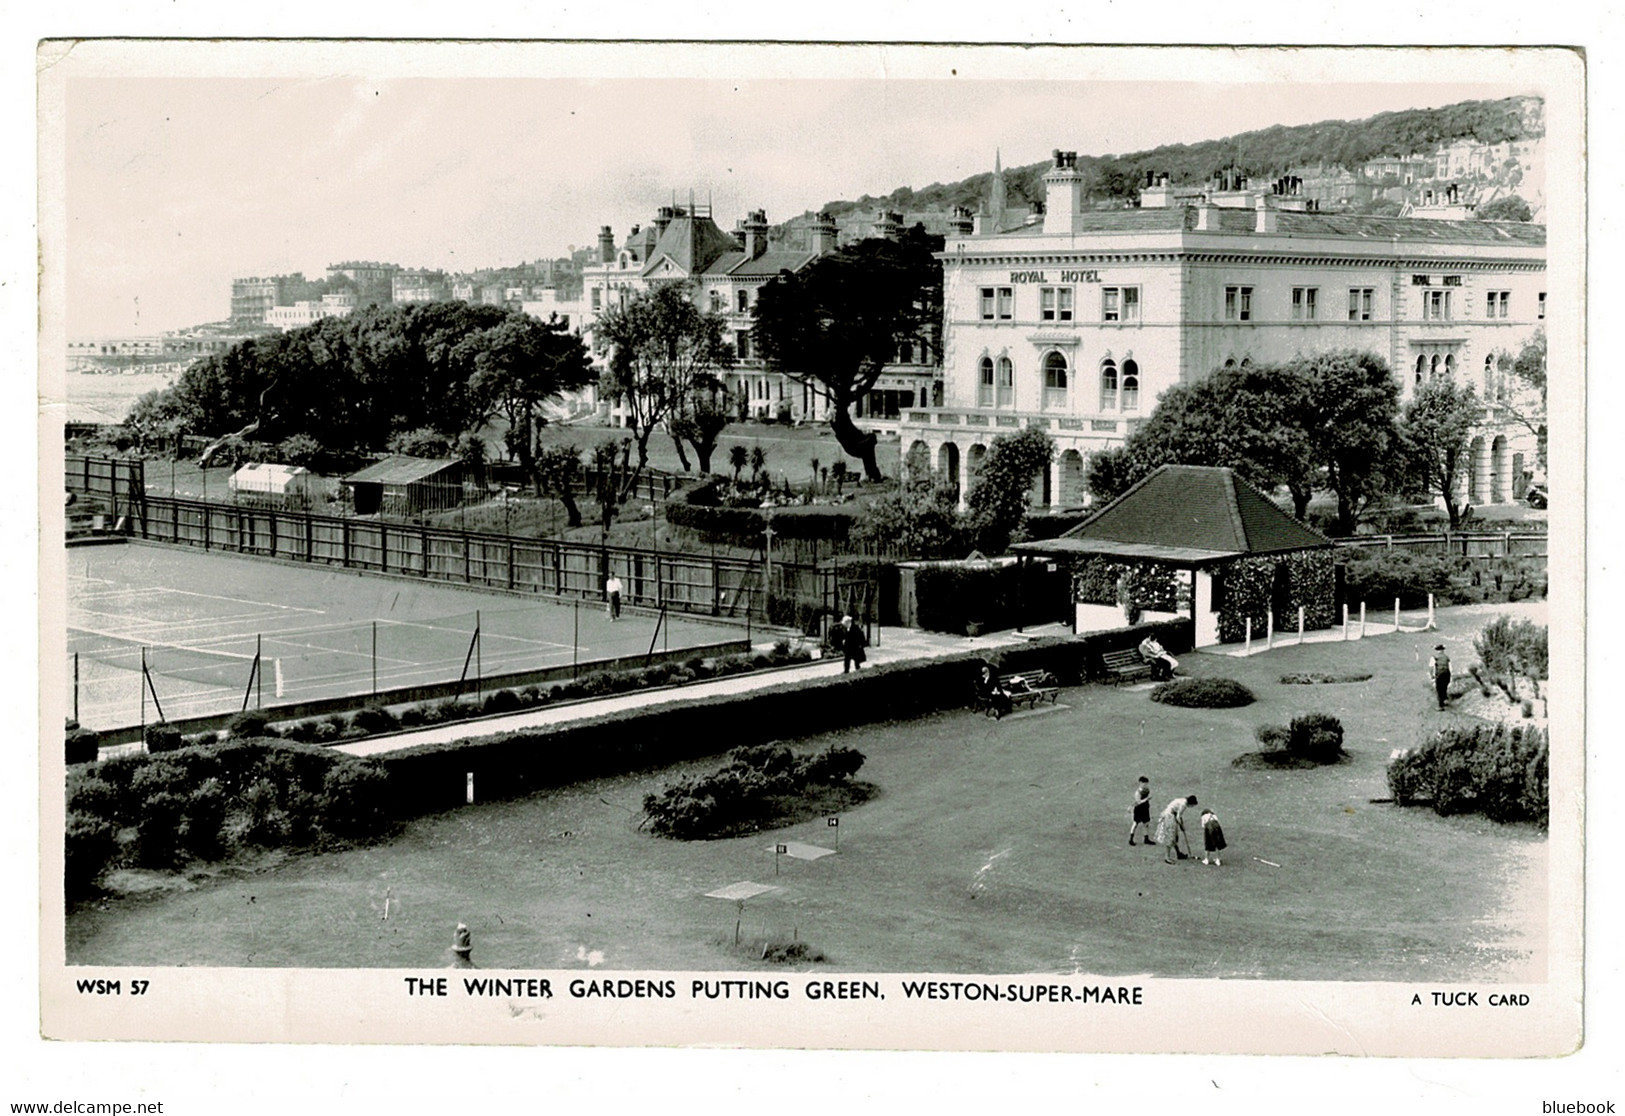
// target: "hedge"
[[1247, 586], [759, 786], [698, 509], [1498, 770], [946, 598]]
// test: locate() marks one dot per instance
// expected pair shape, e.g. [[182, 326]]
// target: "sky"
[[175, 181]]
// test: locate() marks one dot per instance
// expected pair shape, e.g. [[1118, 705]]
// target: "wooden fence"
[[1470, 544]]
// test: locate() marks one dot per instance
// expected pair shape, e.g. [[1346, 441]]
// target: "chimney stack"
[[888, 225], [1266, 215], [961, 223], [823, 234], [1206, 217], [663, 218], [756, 233], [1063, 194], [606, 245]]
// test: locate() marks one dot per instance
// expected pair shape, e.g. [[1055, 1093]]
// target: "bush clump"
[[1315, 678], [1498, 770], [250, 724], [83, 745], [1314, 738], [759, 785], [1203, 693], [205, 803]]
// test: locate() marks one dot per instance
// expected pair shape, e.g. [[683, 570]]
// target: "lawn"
[[991, 847]]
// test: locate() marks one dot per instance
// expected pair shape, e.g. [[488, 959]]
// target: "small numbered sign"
[[781, 849], [833, 823]]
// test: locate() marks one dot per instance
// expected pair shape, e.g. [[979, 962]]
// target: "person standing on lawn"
[[1212, 837], [1140, 812], [612, 588], [852, 641], [1439, 664], [1171, 827]]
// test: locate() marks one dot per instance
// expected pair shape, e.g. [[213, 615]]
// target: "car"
[[1536, 496]]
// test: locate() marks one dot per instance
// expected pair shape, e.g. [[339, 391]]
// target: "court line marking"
[[136, 590]]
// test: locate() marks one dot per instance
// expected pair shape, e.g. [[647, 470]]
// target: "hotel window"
[[742, 343], [1436, 305], [597, 299], [1108, 385], [1120, 304], [1055, 304], [984, 387], [1497, 304], [1054, 381], [742, 300], [1540, 311], [1007, 383], [1131, 386], [1238, 304], [1303, 303], [987, 304], [1007, 303], [716, 302], [1360, 303]]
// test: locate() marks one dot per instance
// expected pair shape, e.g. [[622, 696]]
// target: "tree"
[[920, 521], [998, 499], [1246, 418], [519, 364], [1437, 429], [1527, 403], [1509, 208], [558, 471], [738, 456], [1349, 411], [758, 461], [662, 349], [836, 323], [701, 423]]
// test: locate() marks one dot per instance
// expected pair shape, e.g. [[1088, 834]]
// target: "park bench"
[[1125, 666], [1030, 686]]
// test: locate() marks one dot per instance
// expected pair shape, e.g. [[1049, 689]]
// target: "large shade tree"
[[520, 364], [836, 323], [663, 351], [1350, 414]]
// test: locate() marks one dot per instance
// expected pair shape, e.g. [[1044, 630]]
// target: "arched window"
[[1108, 385], [1450, 367], [1489, 377], [1421, 368], [984, 383], [1007, 383], [1230, 363], [1131, 386], [1054, 381], [1433, 367]]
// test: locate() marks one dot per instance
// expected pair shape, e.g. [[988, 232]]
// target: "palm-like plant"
[[737, 457]]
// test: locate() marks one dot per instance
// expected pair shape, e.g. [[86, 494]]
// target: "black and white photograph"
[[910, 547]]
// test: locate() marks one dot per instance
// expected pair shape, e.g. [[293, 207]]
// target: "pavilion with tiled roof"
[[1196, 542]]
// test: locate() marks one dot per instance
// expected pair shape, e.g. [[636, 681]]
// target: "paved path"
[[894, 645]]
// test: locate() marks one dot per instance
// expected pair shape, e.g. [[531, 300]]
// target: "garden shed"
[[271, 482], [1199, 543], [402, 485]]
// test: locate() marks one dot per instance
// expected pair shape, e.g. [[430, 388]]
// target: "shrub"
[[354, 800], [1203, 693], [1377, 577], [1500, 771], [83, 745], [1314, 678], [1512, 649], [162, 737], [248, 725], [202, 819], [371, 719], [747, 791], [89, 843], [949, 597], [1317, 737]]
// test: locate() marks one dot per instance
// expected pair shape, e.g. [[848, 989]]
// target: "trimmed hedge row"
[[946, 598], [432, 777], [698, 510], [1377, 577]]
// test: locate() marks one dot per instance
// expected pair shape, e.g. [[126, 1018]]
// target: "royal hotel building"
[[1076, 322]]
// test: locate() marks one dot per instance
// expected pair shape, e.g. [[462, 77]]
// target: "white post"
[[1432, 624], [1249, 635], [1396, 615], [1362, 619], [276, 665], [471, 788], [1269, 629], [1345, 621], [1300, 623]]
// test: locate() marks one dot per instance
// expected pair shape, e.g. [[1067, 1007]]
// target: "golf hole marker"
[[471, 788], [835, 824]]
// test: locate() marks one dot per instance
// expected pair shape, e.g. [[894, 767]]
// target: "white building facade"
[[1077, 325]]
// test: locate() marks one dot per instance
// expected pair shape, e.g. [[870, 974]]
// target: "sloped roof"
[[693, 243], [1186, 513], [399, 469], [767, 265], [1289, 223]]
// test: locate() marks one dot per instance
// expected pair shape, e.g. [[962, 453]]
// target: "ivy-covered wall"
[[1151, 585], [1248, 588]]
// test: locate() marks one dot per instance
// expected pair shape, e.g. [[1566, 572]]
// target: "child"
[[1212, 837], [1140, 814]]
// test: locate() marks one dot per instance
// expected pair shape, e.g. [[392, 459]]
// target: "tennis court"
[[211, 629]]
